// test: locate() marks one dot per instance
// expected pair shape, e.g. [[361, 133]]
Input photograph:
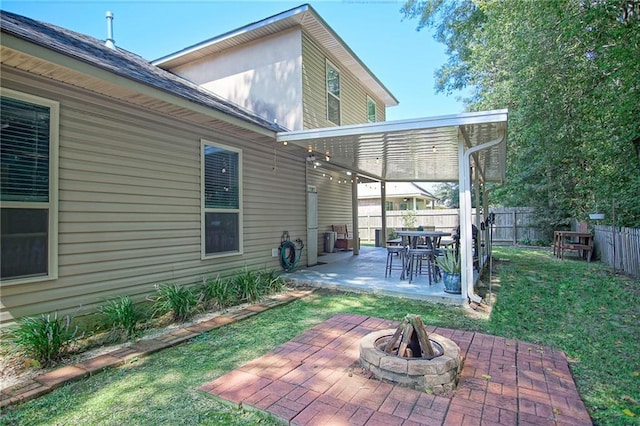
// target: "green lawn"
[[571, 305]]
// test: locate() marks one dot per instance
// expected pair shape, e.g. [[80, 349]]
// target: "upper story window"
[[371, 110], [333, 94], [28, 187], [221, 183]]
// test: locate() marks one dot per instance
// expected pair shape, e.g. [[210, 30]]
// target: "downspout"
[[354, 214], [465, 214]]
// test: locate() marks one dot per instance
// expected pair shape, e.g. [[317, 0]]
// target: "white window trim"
[[328, 64], [203, 210], [375, 106], [52, 205]]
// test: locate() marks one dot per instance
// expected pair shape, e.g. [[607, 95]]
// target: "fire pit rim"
[[440, 372]]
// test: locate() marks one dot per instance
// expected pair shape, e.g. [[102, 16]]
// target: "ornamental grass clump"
[[248, 286], [44, 338], [122, 317], [219, 293], [271, 281], [179, 300]]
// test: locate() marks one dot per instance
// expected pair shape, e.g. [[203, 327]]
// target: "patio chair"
[[399, 252], [417, 259]]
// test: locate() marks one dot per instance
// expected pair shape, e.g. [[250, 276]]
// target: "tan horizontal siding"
[[275, 202], [334, 202], [353, 96], [129, 203]]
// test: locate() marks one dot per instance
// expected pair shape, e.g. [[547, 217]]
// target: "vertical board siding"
[[353, 97], [334, 202], [129, 205]]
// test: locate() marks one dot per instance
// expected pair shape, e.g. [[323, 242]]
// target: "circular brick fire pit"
[[439, 374]]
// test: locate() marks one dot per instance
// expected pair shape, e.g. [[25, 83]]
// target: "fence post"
[[515, 230]]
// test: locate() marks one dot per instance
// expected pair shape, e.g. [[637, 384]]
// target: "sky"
[[402, 58]]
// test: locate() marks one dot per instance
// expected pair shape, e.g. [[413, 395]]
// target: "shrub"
[[179, 300], [247, 284], [449, 263], [44, 338], [271, 281], [122, 316], [219, 292]]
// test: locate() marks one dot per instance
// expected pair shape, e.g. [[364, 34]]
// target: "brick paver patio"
[[314, 380]]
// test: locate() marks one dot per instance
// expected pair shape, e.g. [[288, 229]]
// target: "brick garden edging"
[[46, 382]]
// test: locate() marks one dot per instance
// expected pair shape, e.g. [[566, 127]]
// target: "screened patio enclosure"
[[468, 148]]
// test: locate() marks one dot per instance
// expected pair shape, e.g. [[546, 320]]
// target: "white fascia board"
[[396, 126], [229, 35]]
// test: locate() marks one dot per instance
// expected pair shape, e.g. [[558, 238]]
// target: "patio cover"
[[453, 148]]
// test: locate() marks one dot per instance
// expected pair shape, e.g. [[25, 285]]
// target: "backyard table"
[[410, 239], [413, 236], [573, 240]]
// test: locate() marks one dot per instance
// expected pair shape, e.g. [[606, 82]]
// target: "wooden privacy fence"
[[512, 225], [619, 247]]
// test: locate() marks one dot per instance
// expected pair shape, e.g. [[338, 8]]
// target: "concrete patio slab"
[[365, 273]]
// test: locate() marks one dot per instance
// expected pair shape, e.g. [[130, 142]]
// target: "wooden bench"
[[394, 242], [585, 250]]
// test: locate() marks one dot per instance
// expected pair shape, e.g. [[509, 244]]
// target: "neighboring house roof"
[[304, 16], [393, 190], [120, 62]]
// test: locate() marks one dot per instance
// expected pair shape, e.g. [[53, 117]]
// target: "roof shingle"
[[122, 63]]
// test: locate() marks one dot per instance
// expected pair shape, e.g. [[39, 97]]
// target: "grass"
[[570, 305]]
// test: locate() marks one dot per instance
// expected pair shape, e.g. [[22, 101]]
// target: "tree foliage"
[[569, 73]]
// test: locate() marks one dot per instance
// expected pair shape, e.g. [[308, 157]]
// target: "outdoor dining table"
[[411, 238]]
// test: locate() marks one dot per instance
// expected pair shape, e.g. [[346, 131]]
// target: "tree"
[[568, 72], [448, 194]]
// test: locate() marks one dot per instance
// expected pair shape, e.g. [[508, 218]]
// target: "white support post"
[[354, 214], [464, 251], [464, 161], [383, 198]]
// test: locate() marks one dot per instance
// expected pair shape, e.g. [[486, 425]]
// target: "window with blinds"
[[221, 200], [333, 94], [26, 186]]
